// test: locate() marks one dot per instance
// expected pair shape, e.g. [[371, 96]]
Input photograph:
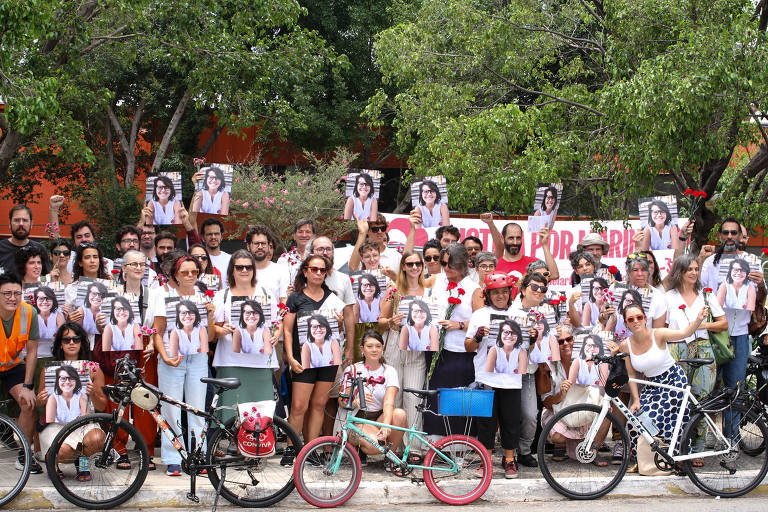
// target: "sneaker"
[[510, 469], [288, 455], [618, 453], [34, 467], [526, 460], [173, 470]]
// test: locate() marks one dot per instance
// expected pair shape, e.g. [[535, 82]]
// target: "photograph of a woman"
[[68, 400], [508, 355], [362, 205], [660, 231], [187, 338], [94, 295], [544, 346], [49, 317], [548, 206], [212, 195], [123, 331], [591, 311], [367, 307], [418, 333], [432, 210], [164, 201], [584, 370], [736, 292], [628, 297], [252, 336], [321, 347]]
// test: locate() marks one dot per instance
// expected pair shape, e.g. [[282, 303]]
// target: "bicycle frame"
[[668, 455]]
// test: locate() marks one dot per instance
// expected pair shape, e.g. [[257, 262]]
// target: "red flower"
[[688, 191], [209, 293], [454, 300], [707, 290], [612, 269], [765, 251], [281, 305], [351, 280], [115, 271], [682, 306], [702, 194], [563, 299], [451, 285], [554, 302], [461, 291]]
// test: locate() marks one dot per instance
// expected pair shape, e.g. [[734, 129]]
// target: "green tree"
[[604, 96]]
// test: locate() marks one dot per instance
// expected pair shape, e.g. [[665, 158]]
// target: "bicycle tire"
[[96, 493], [580, 479], [14, 447], [274, 479], [313, 481], [464, 487], [737, 472]]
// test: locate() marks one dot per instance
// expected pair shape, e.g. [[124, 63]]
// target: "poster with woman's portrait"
[[362, 193], [658, 221], [368, 288], [429, 195], [506, 359], [50, 312], [541, 335], [590, 344], [213, 189], [187, 326], [252, 318], [546, 203], [210, 281], [90, 295], [419, 330], [319, 338], [163, 192], [735, 290], [67, 385], [123, 329]]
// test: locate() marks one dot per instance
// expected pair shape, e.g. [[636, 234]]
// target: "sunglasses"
[[200, 257], [636, 255], [243, 268], [189, 273], [633, 319], [429, 259], [61, 252], [568, 339], [376, 229], [538, 288], [65, 340], [413, 264], [443, 263], [732, 232], [317, 270]]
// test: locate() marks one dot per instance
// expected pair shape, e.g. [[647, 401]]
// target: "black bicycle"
[[243, 480], [15, 457]]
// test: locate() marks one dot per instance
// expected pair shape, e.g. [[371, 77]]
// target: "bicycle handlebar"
[[614, 359]]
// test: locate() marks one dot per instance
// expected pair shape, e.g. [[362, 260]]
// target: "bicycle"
[[243, 481], [327, 471], [725, 470], [15, 457]]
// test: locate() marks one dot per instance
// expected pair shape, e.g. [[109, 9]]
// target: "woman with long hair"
[[361, 205], [207, 270], [433, 213], [166, 207], [213, 197]]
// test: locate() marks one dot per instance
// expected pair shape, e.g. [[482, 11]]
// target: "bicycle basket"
[[465, 402]]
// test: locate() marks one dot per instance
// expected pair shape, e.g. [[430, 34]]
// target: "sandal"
[[123, 462], [151, 466], [697, 463]]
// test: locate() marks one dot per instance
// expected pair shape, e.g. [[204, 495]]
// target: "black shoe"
[[527, 460], [34, 468], [288, 455]]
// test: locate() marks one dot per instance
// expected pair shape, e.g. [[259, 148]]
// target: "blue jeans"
[[182, 383], [735, 372]]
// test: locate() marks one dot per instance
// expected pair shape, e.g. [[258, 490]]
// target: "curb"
[[396, 492]]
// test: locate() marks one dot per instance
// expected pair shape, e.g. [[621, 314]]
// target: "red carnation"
[[702, 194], [682, 306], [281, 305], [351, 280], [765, 251], [115, 271], [451, 285], [612, 269], [707, 290], [209, 293], [454, 300], [688, 191], [563, 299], [461, 291], [554, 302]]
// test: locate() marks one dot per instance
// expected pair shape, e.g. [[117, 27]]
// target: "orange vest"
[[11, 347]]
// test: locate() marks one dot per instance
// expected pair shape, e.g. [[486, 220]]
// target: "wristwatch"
[[461, 326], [30, 387]]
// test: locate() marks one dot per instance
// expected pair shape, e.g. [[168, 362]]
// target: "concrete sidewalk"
[[377, 488]]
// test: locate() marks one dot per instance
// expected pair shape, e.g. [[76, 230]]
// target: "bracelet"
[[682, 239]]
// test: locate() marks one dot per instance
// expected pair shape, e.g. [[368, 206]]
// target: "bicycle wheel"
[[15, 459], [251, 482], [737, 472], [83, 468], [462, 487], [580, 478], [313, 476]]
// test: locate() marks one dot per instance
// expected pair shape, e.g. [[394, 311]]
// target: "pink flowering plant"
[[277, 200]]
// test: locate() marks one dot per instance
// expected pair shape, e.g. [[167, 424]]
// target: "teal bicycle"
[[456, 469]]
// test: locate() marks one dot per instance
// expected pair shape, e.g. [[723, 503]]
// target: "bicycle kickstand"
[[192, 495], [218, 488]]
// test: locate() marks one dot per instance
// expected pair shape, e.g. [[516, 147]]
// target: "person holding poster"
[[431, 210], [660, 229], [167, 208], [583, 263], [252, 337], [362, 205], [123, 331], [213, 196], [321, 347], [418, 333]]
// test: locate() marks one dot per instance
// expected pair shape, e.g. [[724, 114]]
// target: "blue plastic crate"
[[465, 402]]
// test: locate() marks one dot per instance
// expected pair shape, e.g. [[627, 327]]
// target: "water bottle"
[[648, 423]]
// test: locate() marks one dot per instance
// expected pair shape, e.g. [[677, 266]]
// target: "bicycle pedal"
[[417, 481], [193, 497]]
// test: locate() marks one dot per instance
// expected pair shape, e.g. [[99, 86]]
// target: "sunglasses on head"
[[569, 339], [636, 255], [88, 245], [538, 288], [429, 259], [377, 229]]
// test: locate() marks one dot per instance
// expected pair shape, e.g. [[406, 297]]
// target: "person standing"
[[20, 222], [213, 231]]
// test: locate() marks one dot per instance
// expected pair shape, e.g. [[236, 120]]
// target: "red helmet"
[[499, 280]]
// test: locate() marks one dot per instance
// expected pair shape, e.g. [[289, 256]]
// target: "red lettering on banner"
[[566, 240], [487, 239], [471, 232], [534, 244], [615, 243], [554, 242]]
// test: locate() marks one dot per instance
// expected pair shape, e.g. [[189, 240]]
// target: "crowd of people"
[[287, 316]]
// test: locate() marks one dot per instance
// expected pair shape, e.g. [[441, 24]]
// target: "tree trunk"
[[211, 140], [170, 131]]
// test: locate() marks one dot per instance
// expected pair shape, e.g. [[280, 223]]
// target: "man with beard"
[[165, 242], [270, 275], [730, 236], [213, 231], [508, 248], [20, 218]]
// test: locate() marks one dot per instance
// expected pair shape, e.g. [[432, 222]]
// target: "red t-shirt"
[[517, 267]]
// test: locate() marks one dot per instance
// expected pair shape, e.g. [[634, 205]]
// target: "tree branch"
[[593, 13], [209, 143], [118, 129], [98, 41], [592, 42], [753, 113], [130, 168], [170, 130]]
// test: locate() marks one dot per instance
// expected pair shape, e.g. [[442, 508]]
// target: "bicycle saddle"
[[421, 392], [695, 363], [228, 383]]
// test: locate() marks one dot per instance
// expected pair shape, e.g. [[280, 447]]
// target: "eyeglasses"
[[732, 232], [322, 250], [428, 192], [189, 273], [88, 245], [66, 340], [186, 313], [162, 187], [367, 285], [130, 240], [212, 177], [317, 270], [316, 327], [248, 313], [738, 270], [243, 268], [568, 339], [200, 257], [443, 263], [66, 379], [538, 288], [414, 264], [363, 184], [507, 332], [120, 309], [430, 259], [43, 299], [61, 252], [136, 264], [260, 244], [633, 319], [377, 229], [486, 268], [9, 294]]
